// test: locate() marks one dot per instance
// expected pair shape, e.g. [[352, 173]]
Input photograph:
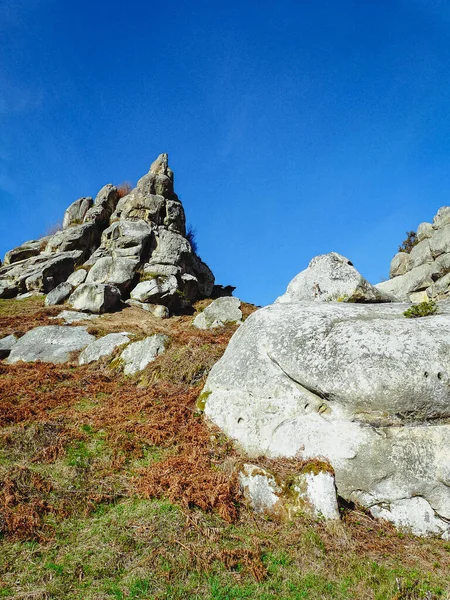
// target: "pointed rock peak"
[[161, 166]]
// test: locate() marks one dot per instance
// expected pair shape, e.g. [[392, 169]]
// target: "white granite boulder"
[[357, 385], [138, 355], [331, 277], [219, 312], [102, 347], [95, 298], [50, 343]]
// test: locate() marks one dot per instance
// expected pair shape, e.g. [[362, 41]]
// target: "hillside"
[[113, 486]]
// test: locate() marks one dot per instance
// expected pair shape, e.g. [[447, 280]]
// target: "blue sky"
[[293, 128]]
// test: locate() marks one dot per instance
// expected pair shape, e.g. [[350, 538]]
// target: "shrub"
[[191, 238], [408, 244], [124, 189], [424, 309]]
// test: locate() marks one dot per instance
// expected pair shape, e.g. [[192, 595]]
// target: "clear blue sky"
[[294, 128]]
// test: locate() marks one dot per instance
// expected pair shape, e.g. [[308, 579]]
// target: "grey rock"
[[51, 343], [420, 254], [77, 277], [399, 264], [331, 277], [424, 231], [171, 249], [118, 271], [419, 278], [156, 269], [219, 312], [357, 384], [95, 298], [159, 180], [59, 294], [85, 237], [312, 494], [49, 272], [157, 310], [139, 206], [27, 250], [158, 290], [138, 355], [443, 264], [102, 347], [440, 242], [104, 206], [6, 345], [175, 218], [73, 316], [441, 288], [127, 238], [8, 289], [76, 212], [442, 217]]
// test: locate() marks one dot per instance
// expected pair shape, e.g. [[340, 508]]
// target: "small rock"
[[312, 493], [219, 312], [59, 294], [102, 347], [138, 355]]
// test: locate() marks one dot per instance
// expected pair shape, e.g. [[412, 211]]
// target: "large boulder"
[[331, 277], [104, 205], [59, 294], [416, 280], [219, 313], [25, 251], [118, 271], [102, 347], [138, 355], [46, 273], [51, 343], [76, 212], [95, 298], [127, 238], [357, 385], [158, 289], [85, 237]]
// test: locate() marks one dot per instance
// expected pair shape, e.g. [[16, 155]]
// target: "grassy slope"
[[113, 487]]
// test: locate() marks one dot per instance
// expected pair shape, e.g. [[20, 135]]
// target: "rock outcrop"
[[332, 277], [423, 273], [136, 242], [357, 385]]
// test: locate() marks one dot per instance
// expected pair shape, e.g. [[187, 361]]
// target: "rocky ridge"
[[112, 249], [423, 273]]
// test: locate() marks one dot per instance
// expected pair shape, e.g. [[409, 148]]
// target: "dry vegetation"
[[114, 487]]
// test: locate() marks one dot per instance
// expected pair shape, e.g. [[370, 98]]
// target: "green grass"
[[144, 549]]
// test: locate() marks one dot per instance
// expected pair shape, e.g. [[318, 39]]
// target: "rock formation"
[[358, 385], [112, 248], [424, 272]]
